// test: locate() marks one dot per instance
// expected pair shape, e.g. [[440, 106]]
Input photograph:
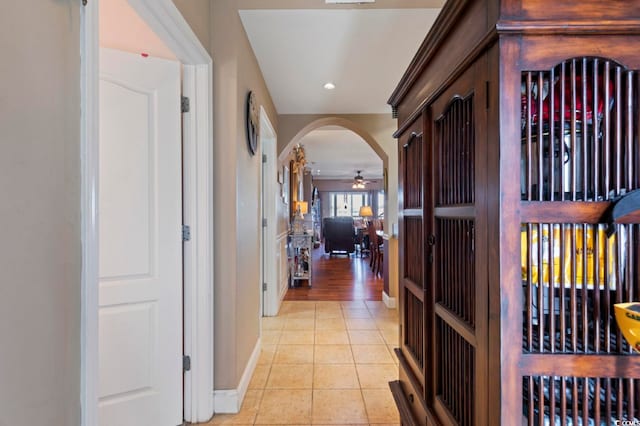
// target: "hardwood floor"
[[338, 278]]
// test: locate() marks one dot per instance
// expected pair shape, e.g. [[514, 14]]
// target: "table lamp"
[[302, 208], [365, 212]]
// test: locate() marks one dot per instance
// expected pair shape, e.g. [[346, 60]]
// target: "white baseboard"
[[229, 401], [284, 286], [389, 302]]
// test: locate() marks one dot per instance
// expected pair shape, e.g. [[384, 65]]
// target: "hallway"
[[325, 363]]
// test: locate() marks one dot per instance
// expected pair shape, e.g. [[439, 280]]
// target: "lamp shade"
[[365, 211], [302, 207]]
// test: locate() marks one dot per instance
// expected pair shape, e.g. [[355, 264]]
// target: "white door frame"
[[268, 143], [165, 20]]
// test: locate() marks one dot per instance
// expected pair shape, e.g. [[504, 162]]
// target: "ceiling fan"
[[358, 181]]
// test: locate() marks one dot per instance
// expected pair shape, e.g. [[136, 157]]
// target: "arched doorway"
[[335, 121], [296, 130]]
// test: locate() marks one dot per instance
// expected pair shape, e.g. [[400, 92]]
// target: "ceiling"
[[364, 52], [362, 49], [334, 152]]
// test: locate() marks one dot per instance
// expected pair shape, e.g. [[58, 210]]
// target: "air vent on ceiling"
[[348, 1]]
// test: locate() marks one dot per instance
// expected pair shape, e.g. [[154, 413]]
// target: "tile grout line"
[[372, 316], [366, 412]]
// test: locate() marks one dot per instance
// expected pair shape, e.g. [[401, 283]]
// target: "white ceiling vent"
[[348, 1]]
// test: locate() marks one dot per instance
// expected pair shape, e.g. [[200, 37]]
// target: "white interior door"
[[140, 215], [270, 292]]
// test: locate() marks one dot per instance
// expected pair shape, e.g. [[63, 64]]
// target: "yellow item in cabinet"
[[628, 319], [563, 272]]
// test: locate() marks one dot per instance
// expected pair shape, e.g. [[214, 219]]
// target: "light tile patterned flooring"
[[323, 363]]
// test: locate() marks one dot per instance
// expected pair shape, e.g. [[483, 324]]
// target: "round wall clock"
[[251, 117]]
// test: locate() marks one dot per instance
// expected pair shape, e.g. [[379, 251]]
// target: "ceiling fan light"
[[358, 181]]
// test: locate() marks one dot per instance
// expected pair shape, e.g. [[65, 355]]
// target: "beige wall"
[[248, 184], [236, 185], [198, 14], [40, 213]]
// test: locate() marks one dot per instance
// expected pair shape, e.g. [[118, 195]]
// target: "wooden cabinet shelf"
[[517, 132]]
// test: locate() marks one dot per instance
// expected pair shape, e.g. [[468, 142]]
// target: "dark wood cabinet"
[[518, 129]]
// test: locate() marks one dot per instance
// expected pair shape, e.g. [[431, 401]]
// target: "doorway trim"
[[167, 22], [270, 296]]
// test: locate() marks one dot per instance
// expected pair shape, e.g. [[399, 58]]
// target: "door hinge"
[[184, 104], [186, 233], [264, 286], [186, 363], [264, 222], [264, 158]]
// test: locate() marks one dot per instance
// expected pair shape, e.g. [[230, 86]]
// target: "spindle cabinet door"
[[456, 250], [412, 152], [579, 154]]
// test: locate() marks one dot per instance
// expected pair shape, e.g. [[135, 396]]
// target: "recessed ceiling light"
[[329, 86]]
